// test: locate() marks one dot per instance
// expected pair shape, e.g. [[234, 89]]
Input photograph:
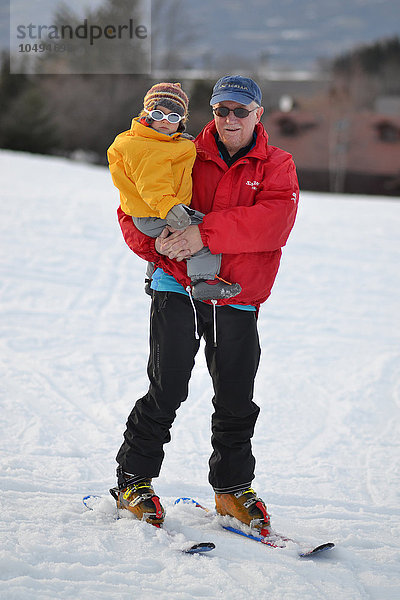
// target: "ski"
[[274, 540], [91, 502]]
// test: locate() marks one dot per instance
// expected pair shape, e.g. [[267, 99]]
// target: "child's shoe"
[[140, 499], [214, 289], [246, 507], [149, 275]]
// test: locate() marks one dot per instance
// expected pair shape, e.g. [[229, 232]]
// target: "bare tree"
[[173, 35], [109, 39]]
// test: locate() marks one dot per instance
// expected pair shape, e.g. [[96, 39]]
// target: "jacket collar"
[[137, 128], [207, 147]]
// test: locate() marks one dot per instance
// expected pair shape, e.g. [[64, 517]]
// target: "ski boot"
[[140, 499], [245, 506]]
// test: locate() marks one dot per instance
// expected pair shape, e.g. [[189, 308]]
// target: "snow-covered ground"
[[73, 356]]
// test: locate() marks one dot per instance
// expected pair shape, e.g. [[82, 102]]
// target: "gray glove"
[[188, 136], [178, 217]]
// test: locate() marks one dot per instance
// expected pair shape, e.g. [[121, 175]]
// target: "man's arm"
[[148, 248], [138, 242], [263, 227]]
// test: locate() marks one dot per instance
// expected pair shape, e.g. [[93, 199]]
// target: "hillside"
[[73, 353]]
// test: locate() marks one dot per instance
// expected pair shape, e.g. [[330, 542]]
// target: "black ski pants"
[[232, 365]]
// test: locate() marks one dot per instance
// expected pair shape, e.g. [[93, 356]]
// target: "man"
[[248, 192]]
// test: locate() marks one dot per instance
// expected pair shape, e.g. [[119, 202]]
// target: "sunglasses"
[[158, 115], [240, 113]]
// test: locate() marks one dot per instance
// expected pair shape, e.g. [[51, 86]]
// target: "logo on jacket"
[[253, 184]]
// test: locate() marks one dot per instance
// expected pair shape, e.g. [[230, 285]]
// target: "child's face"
[[164, 126]]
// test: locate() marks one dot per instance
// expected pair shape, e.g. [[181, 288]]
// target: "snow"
[[74, 339]]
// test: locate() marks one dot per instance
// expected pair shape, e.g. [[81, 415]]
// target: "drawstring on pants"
[[214, 303], [196, 333]]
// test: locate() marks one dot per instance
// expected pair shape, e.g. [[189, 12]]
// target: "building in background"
[[337, 150]]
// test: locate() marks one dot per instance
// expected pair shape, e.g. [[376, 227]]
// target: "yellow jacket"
[[152, 170]]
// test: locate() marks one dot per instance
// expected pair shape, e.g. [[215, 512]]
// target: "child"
[[151, 165]]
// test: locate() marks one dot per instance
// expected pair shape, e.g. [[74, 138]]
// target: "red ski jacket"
[[250, 209]]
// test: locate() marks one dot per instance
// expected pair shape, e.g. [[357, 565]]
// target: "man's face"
[[237, 133]]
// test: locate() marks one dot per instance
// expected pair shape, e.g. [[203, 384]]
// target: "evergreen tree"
[[25, 120], [11, 86], [378, 62]]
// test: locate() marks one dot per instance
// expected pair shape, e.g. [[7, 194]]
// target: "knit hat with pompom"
[[169, 95]]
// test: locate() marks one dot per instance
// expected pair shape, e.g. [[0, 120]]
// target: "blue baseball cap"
[[236, 88]]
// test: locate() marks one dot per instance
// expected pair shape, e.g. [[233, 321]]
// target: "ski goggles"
[[158, 115], [239, 112]]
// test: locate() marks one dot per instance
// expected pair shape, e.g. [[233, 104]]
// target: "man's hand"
[[180, 244]]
